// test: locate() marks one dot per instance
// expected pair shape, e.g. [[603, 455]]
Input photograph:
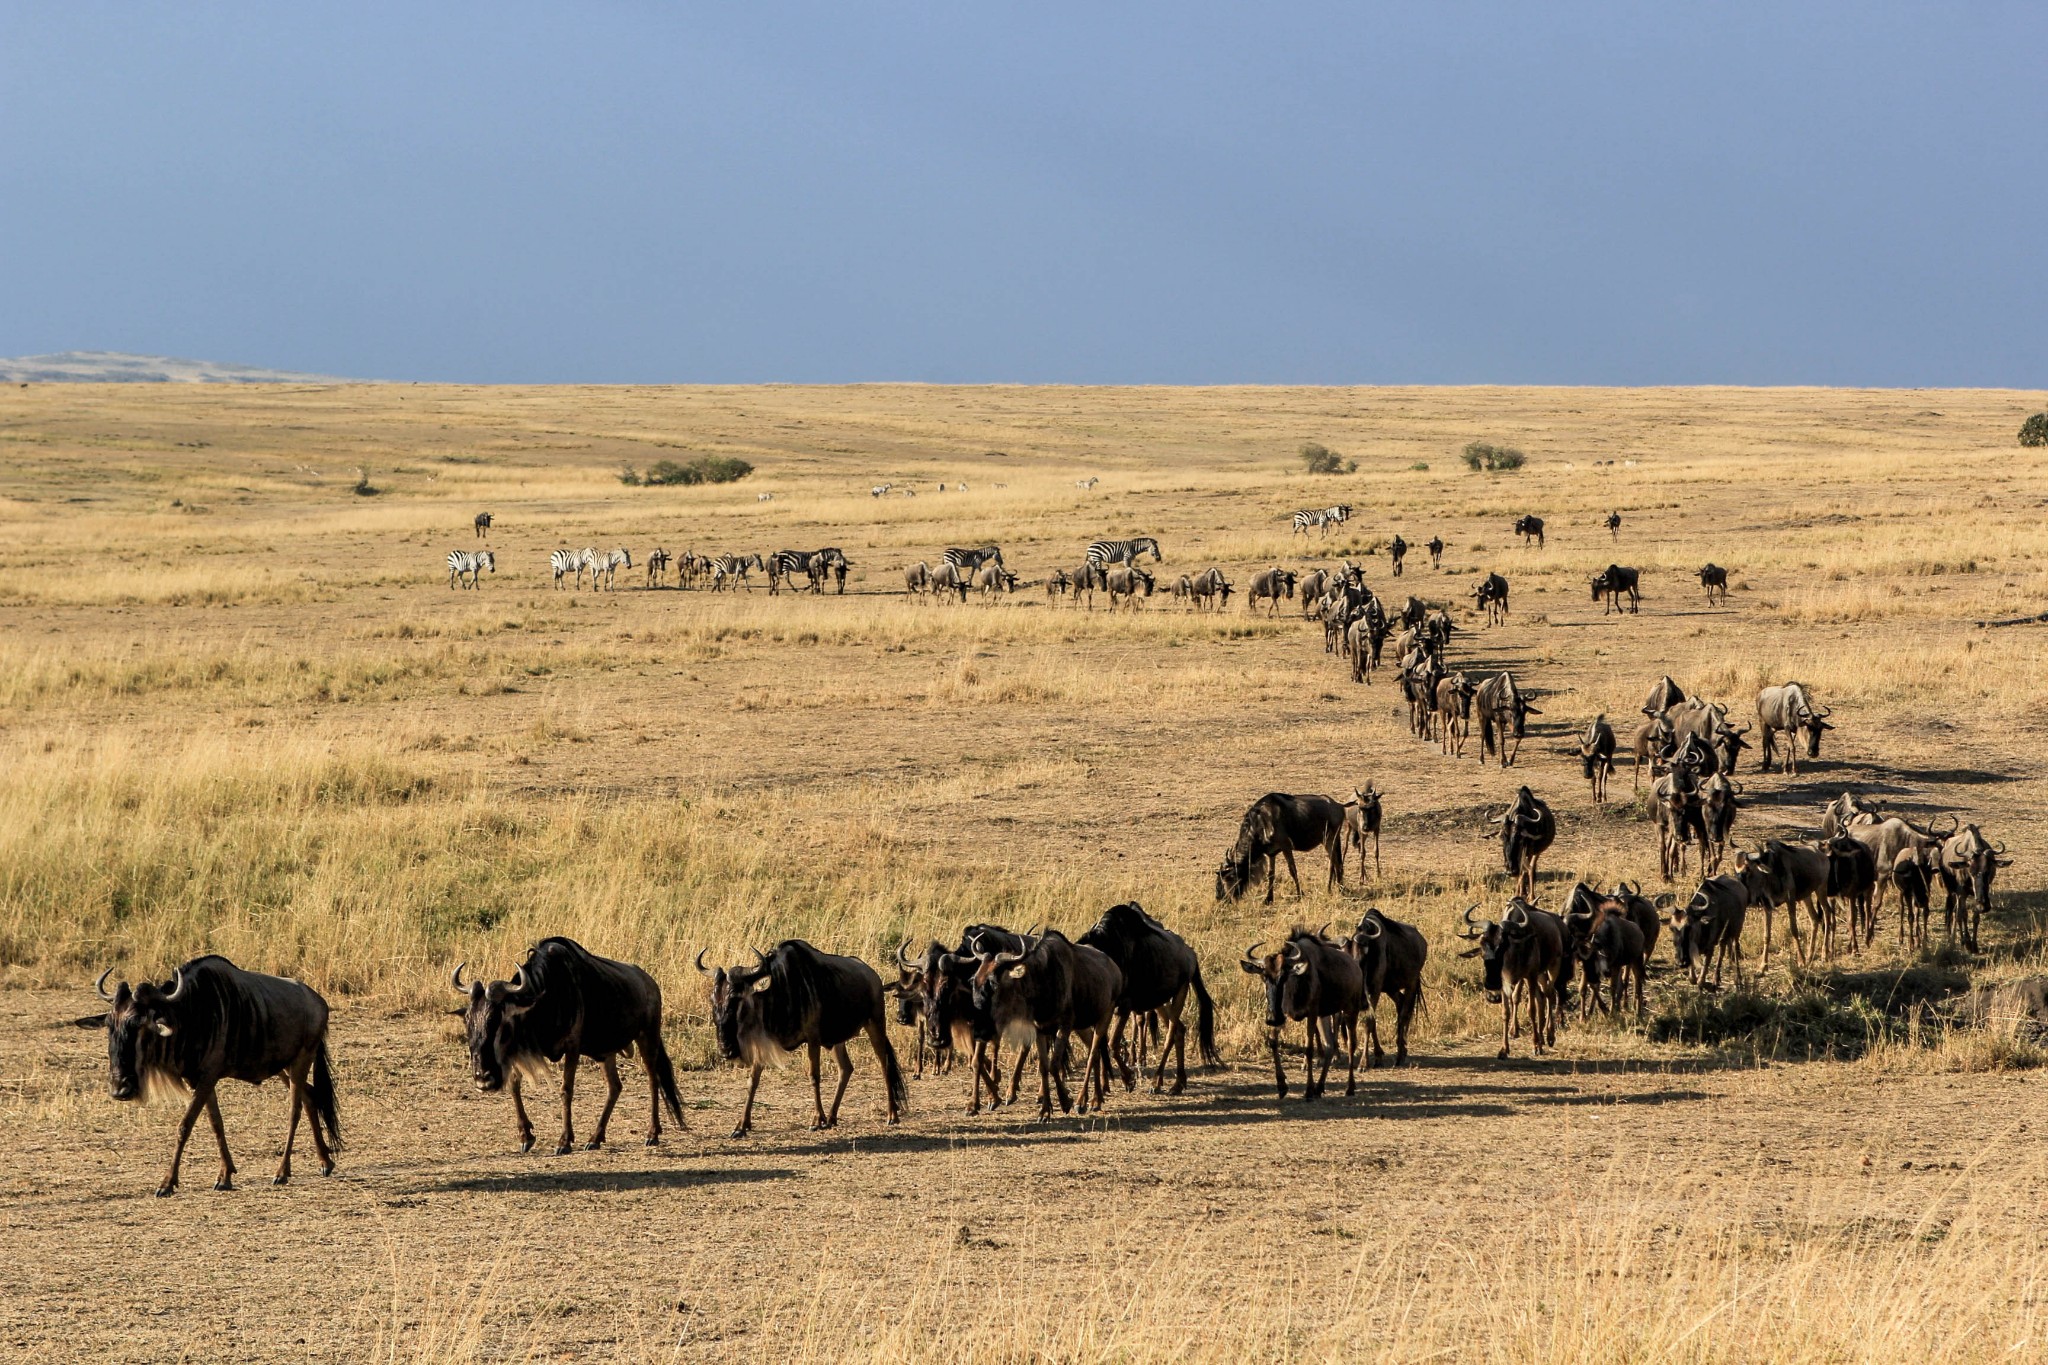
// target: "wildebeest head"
[[736, 1007], [1289, 976], [1694, 932], [1596, 746], [1489, 940], [491, 1017], [908, 988], [140, 1021]]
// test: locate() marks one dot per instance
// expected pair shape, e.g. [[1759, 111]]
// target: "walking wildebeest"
[[1527, 829], [1651, 743], [1362, 817], [1390, 956], [1529, 528], [1596, 756], [797, 996], [1718, 806], [1614, 526], [1436, 552], [947, 578], [1968, 862], [1853, 875], [1709, 722], [1210, 583], [1271, 584], [565, 1003], [1886, 838], [1714, 579], [1085, 580], [918, 577], [1059, 989], [1610, 950], [1612, 582], [1850, 808], [1665, 695], [1783, 875], [1311, 586], [1520, 953], [994, 580], [946, 980], [1397, 550], [1129, 582], [213, 1022], [1159, 971], [1490, 595], [1322, 986], [1057, 582], [1707, 930], [1278, 825], [1680, 821], [1454, 713], [483, 525], [1626, 899], [1787, 708], [1503, 717]]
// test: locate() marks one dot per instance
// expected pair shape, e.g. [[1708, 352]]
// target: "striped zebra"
[[879, 489], [608, 564], [464, 567], [1122, 551], [1087, 483], [565, 563], [784, 565], [727, 567], [1321, 518], [967, 561]]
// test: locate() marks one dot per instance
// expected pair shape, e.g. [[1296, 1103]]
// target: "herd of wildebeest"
[[1097, 1005]]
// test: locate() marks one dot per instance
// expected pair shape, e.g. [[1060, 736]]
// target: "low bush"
[[1487, 456], [1318, 458]]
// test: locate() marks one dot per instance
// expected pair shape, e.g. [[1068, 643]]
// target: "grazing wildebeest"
[[1614, 526], [1210, 583], [565, 1003], [1527, 830], [1397, 550], [1967, 863], [1362, 817], [1707, 930], [1522, 953], [1783, 875], [1129, 583], [1322, 986], [1271, 584], [213, 1022], [483, 525], [1277, 826], [1453, 713], [918, 577], [1490, 595], [1714, 579], [1529, 528], [1787, 708], [1436, 552], [1612, 582], [946, 578], [1059, 989], [1503, 718], [1596, 755], [796, 996], [1609, 949], [994, 580], [1390, 955], [1159, 971]]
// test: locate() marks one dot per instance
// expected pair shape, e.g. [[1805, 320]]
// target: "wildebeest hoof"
[[525, 1145], [654, 1141], [281, 1178], [327, 1168], [1501, 1055], [740, 1130], [593, 1144], [167, 1189], [564, 1148], [226, 1182]]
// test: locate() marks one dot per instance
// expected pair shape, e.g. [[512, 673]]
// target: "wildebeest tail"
[[1205, 1020], [655, 1056], [892, 1072], [320, 1090]]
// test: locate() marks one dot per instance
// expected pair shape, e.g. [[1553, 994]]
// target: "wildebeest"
[[1609, 949], [796, 996], [1596, 755], [1527, 830], [947, 578], [1059, 990], [1208, 584], [1529, 528], [1783, 875], [1322, 986], [565, 1003], [657, 566], [1909, 878], [1421, 670], [1129, 583], [1159, 971], [994, 579], [1652, 740], [1707, 930], [1362, 817], [1397, 550], [1057, 582], [1612, 583], [1520, 954], [1679, 819], [1436, 552], [1311, 586], [1886, 838], [1085, 580], [1853, 877], [483, 525], [1271, 585], [213, 1022], [1709, 722], [1850, 808], [1665, 695], [1390, 957], [1718, 806], [1626, 899], [1503, 717], [1787, 708], [1453, 713], [945, 980], [1490, 595], [1277, 826], [1714, 579], [918, 577], [1614, 526], [1967, 863]]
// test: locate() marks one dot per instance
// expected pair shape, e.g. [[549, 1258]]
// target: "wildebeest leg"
[[295, 1081], [220, 1140], [519, 1109], [1351, 1072], [817, 1093], [612, 1087], [1279, 1068], [1372, 1035], [1404, 1010], [1291, 872], [1507, 1021], [746, 1123], [1045, 1074], [1312, 1084], [1120, 1049], [568, 1141], [845, 1075], [1017, 1072]]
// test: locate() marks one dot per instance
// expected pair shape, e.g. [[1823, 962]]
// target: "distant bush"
[[1485, 455], [1320, 459], [363, 487], [1420, 464], [703, 469], [629, 476], [2034, 431]]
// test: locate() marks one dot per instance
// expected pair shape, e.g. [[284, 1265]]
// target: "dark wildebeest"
[[1527, 829], [1397, 550], [1718, 806], [213, 1022], [1909, 878], [948, 578], [563, 1004], [1210, 583], [1490, 595], [1390, 955], [1714, 579], [1322, 986], [1529, 528], [1596, 756], [1787, 708], [1086, 580], [1362, 817], [1159, 971], [1277, 826], [1626, 899], [1614, 526], [1129, 583], [1436, 552], [946, 982], [1056, 582], [1679, 819], [796, 996], [1271, 585], [1967, 863], [1609, 948], [1058, 989], [1665, 695], [1503, 718], [1612, 583], [1781, 875], [908, 991], [1421, 670], [1853, 876], [1520, 953], [483, 525], [1651, 744], [1707, 930], [1454, 713]]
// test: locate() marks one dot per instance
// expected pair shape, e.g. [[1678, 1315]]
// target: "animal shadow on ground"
[[573, 1181]]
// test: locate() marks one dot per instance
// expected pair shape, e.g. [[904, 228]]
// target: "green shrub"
[[1320, 459], [1486, 455], [2034, 431], [703, 469]]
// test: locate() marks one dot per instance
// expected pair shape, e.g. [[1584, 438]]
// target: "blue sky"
[[1189, 193]]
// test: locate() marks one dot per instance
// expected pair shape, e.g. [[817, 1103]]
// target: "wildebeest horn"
[[1468, 914], [177, 985], [1824, 712], [1251, 954], [517, 985], [101, 984], [455, 979], [1518, 914], [700, 962], [901, 960], [1369, 923], [1954, 822]]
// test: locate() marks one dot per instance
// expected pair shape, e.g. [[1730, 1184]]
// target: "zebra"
[[785, 565], [483, 525], [879, 489], [608, 565], [967, 561], [1085, 484], [463, 564], [566, 562], [1122, 551], [726, 567], [1321, 517]]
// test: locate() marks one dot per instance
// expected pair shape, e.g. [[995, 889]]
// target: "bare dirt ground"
[[241, 710]]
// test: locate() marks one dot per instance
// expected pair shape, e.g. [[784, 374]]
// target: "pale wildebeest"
[[1503, 717], [1490, 595], [1320, 985], [1714, 580], [1665, 695], [1056, 583], [483, 525], [796, 996], [1967, 863], [1311, 586], [1787, 709], [1609, 951], [1436, 552], [1527, 829], [1211, 588], [1454, 713], [1614, 526], [1397, 550], [1058, 990], [1270, 585], [1159, 971], [1709, 722], [1520, 954], [1129, 583], [1529, 528], [993, 580], [657, 566], [1362, 817], [1278, 826], [918, 577], [1390, 957], [565, 1003], [212, 1022], [1085, 580], [1886, 838], [1845, 810], [1596, 756], [1783, 875], [1421, 670], [1706, 931], [1184, 590], [1612, 583], [947, 578]]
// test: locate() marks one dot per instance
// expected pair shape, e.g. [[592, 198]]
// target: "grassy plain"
[[241, 710]]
